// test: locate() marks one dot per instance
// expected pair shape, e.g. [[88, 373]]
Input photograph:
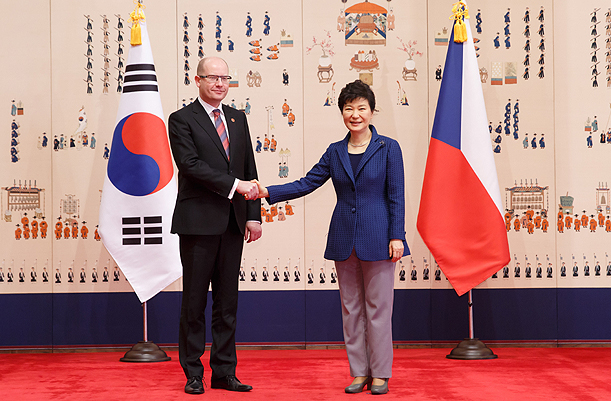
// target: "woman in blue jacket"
[[366, 235]]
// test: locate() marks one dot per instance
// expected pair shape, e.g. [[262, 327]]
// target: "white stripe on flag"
[[475, 137]]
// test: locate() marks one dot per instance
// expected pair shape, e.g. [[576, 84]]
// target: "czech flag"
[[140, 187], [460, 217]]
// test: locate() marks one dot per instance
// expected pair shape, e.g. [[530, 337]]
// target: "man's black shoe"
[[194, 385], [230, 383]]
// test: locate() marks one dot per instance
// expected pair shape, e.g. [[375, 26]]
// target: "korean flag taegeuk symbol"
[[140, 163]]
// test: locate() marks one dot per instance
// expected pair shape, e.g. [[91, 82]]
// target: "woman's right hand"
[[263, 193]]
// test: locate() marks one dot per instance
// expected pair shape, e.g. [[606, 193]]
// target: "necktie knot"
[[216, 113]]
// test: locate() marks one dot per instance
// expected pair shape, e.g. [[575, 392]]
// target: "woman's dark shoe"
[[357, 388], [381, 389]]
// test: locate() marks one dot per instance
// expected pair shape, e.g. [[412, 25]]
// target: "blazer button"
[[353, 210]]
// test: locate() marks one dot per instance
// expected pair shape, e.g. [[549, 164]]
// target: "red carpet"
[[418, 374]]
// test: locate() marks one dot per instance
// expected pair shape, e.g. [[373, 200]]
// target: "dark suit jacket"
[[370, 209], [205, 176]]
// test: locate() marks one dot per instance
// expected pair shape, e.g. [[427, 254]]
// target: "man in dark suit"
[[216, 210]]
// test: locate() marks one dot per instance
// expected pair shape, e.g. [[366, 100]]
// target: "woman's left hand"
[[395, 249]]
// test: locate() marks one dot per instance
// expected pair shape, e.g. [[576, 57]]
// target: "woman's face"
[[357, 115]]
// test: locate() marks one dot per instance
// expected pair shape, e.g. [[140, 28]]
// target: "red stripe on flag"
[[459, 221]]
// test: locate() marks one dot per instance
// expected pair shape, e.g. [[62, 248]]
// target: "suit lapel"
[[205, 122], [342, 151], [375, 144]]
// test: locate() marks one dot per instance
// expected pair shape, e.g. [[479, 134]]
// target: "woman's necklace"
[[360, 145]]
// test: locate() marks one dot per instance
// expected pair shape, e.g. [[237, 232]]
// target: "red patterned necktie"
[[220, 129]]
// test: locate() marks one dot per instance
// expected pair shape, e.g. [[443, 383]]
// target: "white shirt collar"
[[209, 108]]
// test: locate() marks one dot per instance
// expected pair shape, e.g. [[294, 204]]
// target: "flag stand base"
[[471, 348], [145, 351]]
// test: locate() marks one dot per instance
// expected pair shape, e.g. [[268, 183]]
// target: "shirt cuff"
[[235, 185]]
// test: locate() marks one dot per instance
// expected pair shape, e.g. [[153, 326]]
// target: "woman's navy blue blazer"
[[370, 209]]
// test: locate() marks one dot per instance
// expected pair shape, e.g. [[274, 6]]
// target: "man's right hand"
[[248, 189], [263, 193]]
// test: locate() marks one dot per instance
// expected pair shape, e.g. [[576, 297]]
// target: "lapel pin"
[[232, 120]]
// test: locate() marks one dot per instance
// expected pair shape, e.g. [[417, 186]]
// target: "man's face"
[[213, 92]]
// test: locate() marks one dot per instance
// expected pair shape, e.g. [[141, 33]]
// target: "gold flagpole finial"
[[460, 12], [135, 17]]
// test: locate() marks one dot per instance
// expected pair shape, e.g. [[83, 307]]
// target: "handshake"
[[252, 190]]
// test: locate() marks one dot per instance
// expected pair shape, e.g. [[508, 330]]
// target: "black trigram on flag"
[[142, 230], [140, 78]]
